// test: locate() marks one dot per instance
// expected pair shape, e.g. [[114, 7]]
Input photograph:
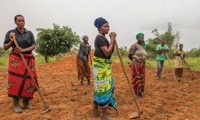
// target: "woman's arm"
[[8, 45], [130, 57], [9, 38], [19, 49], [108, 50], [132, 51]]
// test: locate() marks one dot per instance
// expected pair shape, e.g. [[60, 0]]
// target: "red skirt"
[[83, 70], [138, 75], [20, 84]]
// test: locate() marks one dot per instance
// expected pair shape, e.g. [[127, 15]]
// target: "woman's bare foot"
[[96, 113], [105, 114]]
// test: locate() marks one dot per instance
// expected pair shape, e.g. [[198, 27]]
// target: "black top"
[[24, 40], [99, 42], [84, 51]]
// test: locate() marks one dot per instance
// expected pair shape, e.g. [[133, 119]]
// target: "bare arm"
[[132, 51], [32, 47], [130, 57], [9, 36], [108, 50], [8, 45]]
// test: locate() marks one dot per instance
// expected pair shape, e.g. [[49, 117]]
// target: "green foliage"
[[123, 51], [171, 38], [195, 52], [2, 52], [124, 59], [3, 62], [4, 58], [193, 63], [39, 60], [56, 41], [151, 47]]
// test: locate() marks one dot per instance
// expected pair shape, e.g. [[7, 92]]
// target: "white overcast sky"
[[126, 17]]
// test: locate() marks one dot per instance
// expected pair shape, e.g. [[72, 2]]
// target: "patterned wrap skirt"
[[20, 84], [83, 70], [103, 83], [138, 75]]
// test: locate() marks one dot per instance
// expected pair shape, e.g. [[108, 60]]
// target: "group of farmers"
[[21, 86]]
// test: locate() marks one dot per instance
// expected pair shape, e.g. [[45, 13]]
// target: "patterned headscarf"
[[99, 22]]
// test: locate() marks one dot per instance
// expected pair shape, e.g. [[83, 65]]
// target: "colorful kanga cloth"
[[103, 83], [20, 84], [83, 70], [138, 75]]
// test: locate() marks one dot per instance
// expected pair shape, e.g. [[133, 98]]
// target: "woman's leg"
[[105, 114], [95, 110], [27, 104], [16, 106], [88, 81], [81, 82]]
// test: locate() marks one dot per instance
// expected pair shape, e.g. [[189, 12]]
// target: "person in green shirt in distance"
[[161, 50]]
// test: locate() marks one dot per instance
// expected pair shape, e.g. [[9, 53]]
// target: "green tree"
[[194, 52], [56, 41], [171, 38], [151, 47]]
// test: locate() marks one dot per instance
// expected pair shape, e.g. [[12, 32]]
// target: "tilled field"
[[164, 99]]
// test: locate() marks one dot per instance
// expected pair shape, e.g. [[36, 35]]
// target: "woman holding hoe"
[[102, 69]]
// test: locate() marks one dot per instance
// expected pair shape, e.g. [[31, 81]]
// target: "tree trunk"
[[46, 59]]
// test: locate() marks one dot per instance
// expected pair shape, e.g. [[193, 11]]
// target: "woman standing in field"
[[102, 69], [137, 55], [82, 61], [179, 61], [20, 85]]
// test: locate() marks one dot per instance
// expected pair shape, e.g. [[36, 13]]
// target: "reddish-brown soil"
[[164, 99]]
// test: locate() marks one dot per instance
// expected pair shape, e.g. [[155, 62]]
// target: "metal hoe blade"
[[135, 115], [47, 109]]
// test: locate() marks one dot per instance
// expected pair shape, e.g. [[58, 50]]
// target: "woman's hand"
[[12, 36], [19, 49], [112, 35]]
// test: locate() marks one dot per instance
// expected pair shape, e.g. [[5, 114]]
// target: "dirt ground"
[[164, 99]]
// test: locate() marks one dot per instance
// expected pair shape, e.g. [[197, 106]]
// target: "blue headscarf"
[[99, 22]]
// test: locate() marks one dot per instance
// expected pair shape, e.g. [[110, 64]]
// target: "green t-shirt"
[[161, 56]]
